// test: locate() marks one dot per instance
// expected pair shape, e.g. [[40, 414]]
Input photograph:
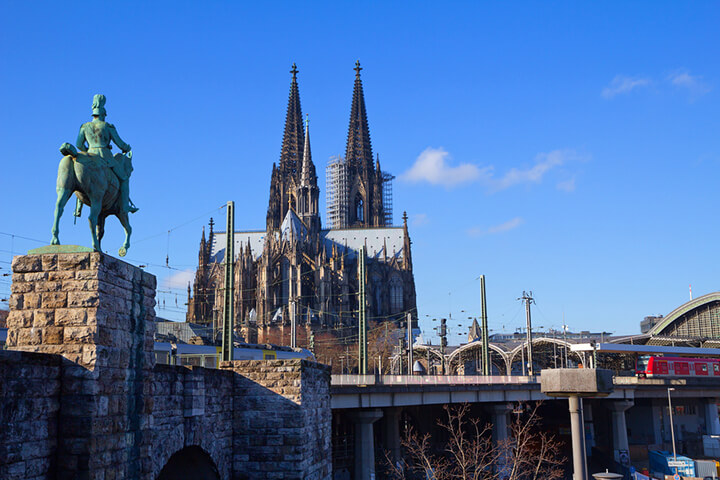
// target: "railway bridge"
[[368, 412]]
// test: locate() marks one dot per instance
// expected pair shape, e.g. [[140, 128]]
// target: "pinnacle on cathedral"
[[308, 176], [293, 136], [358, 152]]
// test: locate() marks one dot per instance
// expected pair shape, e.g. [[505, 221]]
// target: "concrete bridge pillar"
[[619, 427], [392, 433], [499, 414], [364, 443], [712, 423]]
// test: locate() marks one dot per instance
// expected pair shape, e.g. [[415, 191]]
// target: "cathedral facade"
[[295, 269]]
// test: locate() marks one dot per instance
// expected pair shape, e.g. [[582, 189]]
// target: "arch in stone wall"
[[190, 462]]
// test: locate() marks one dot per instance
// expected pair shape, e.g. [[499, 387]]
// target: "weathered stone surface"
[[27, 263], [89, 403]]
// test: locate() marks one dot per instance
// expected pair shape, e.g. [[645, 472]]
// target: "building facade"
[[295, 269]]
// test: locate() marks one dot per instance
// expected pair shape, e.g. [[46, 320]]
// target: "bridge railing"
[[369, 380]]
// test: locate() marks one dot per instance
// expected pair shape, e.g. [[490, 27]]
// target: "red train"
[[651, 366]]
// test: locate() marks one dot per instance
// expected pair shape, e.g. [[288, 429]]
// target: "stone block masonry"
[[97, 313], [282, 418], [81, 397]]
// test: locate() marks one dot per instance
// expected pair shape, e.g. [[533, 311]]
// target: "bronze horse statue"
[[96, 185]]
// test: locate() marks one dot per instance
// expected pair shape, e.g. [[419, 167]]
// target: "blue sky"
[[570, 149]]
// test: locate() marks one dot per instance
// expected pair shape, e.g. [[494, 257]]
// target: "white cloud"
[[420, 219], [566, 185], [495, 229], [179, 279], [544, 162], [693, 83], [432, 166], [624, 84]]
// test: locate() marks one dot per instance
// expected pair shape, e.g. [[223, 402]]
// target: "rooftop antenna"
[[691, 291]]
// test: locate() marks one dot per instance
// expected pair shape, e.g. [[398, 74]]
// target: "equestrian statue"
[[98, 178]]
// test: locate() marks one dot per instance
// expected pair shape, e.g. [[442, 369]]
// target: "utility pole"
[[293, 324], [485, 335], [229, 293], [565, 328], [528, 299], [410, 343], [443, 344], [362, 325]]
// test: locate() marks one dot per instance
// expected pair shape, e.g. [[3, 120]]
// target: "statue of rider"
[[95, 137]]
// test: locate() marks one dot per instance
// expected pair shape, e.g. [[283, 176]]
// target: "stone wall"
[[89, 403], [97, 313], [30, 400], [282, 419], [192, 406]]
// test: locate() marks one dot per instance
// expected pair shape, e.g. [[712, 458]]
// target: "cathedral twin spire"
[[296, 170], [358, 152], [294, 135]]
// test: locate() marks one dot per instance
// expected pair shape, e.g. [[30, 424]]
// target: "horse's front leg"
[[125, 221], [101, 228], [63, 195], [95, 208]]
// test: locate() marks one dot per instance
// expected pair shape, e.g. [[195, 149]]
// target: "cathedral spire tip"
[[294, 71], [357, 68]]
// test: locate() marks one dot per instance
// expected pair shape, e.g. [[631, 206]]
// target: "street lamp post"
[[672, 428]]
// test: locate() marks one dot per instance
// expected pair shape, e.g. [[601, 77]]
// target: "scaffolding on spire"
[[336, 175], [387, 179]]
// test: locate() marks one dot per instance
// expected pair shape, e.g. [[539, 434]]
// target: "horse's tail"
[[66, 174]]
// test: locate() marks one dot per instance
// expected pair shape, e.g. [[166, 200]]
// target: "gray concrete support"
[[578, 438], [500, 434], [365, 443], [657, 415], [392, 432], [499, 421], [619, 429], [712, 422]]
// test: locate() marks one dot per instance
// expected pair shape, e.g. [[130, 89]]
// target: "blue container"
[[663, 462]]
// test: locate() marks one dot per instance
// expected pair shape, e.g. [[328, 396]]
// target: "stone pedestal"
[[96, 312]]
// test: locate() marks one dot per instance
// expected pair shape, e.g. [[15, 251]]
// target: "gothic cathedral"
[[295, 268]]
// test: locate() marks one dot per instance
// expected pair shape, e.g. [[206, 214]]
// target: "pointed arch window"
[[396, 294], [377, 296], [359, 209], [285, 282]]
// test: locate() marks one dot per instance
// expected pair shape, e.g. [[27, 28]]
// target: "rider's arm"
[[118, 141], [80, 142]]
